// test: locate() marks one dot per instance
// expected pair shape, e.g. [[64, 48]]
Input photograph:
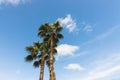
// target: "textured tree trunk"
[[42, 68], [52, 73]]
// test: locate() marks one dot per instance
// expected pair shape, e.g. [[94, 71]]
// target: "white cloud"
[[74, 67], [68, 22], [66, 49], [13, 2], [102, 74]]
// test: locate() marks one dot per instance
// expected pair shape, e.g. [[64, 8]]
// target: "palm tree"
[[51, 34], [38, 55]]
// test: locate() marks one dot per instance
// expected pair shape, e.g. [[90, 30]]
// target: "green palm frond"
[[56, 40], [56, 24], [42, 28], [29, 58], [60, 36], [47, 24], [41, 34], [39, 56], [37, 44], [46, 38], [36, 64], [42, 31], [46, 57], [59, 29], [53, 59], [29, 48], [34, 56], [54, 50], [55, 45], [40, 61]]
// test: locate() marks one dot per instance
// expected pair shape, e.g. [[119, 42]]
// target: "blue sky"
[[90, 49]]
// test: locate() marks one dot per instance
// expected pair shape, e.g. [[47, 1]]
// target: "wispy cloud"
[[105, 68], [68, 23], [87, 27], [13, 2], [74, 67], [104, 73], [103, 36], [66, 49]]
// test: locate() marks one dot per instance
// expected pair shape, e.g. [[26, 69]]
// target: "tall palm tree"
[[38, 55], [51, 34]]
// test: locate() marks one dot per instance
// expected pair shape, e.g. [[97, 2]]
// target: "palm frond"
[[54, 50], [53, 59], [37, 44], [46, 57], [56, 24], [40, 61], [55, 40], [46, 38], [59, 29], [42, 28], [36, 64], [29, 48], [60, 36], [29, 58], [41, 34], [39, 56]]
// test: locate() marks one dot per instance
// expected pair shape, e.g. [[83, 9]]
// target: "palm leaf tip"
[[59, 29], [36, 64], [29, 48], [57, 23], [60, 36], [29, 58], [54, 51], [37, 43]]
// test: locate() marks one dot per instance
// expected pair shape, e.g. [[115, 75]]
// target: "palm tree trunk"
[[52, 73], [42, 68]]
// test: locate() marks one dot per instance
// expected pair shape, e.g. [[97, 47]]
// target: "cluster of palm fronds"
[[43, 52]]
